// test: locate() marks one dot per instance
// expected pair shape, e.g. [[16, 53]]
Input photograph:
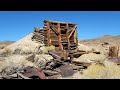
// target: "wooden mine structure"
[[62, 35]]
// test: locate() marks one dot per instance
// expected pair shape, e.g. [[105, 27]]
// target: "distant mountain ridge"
[[104, 38], [6, 42]]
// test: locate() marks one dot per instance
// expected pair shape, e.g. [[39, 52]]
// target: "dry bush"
[[17, 51], [31, 57], [109, 70], [93, 49], [14, 63], [94, 71], [7, 51], [91, 57], [40, 60], [25, 51], [113, 70], [45, 49], [2, 46]]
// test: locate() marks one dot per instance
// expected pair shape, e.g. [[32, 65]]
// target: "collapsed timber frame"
[[60, 34]]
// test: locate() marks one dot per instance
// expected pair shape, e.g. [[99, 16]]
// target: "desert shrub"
[[17, 51], [7, 51], [2, 46], [93, 49], [48, 48], [14, 63], [25, 51], [113, 70], [109, 70], [31, 57], [95, 71], [37, 50]]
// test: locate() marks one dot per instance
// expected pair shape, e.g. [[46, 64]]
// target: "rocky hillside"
[[106, 38]]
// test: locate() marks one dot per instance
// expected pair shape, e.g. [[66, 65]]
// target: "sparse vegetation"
[[31, 57], [108, 70], [28, 53], [2, 46], [7, 51], [17, 51], [94, 71], [48, 48]]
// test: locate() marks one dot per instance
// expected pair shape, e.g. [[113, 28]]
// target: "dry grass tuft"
[[113, 70], [94, 71], [7, 51], [45, 49], [13, 63], [109, 70], [2, 46]]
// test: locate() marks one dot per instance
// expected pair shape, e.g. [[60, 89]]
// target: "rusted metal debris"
[[66, 70], [34, 72], [115, 60]]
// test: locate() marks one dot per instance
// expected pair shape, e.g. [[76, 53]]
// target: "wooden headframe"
[[62, 35]]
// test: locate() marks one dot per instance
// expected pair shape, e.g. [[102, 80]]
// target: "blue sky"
[[14, 25]]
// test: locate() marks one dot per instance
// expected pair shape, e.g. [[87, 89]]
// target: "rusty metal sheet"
[[115, 60], [40, 73], [28, 69], [32, 71], [66, 70]]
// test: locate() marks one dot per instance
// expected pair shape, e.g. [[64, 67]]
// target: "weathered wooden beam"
[[73, 29], [75, 37], [54, 29], [49, 72], [48, 33], [22, 76], [81, 63], [54, 55], [68, 37], [113, 51], [59, 37], [58, 22]]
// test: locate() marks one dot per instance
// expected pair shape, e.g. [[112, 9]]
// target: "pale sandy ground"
[[25, 45]]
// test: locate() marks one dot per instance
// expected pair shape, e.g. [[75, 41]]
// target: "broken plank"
[[81, 63], [49, 72], [54, 55], [24, 77]]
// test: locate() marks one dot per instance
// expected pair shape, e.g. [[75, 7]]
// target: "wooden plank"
[[67, 37], [48, 33], [59, 22], [75, 37], [49, 72], [22, 76], [81, 63], [113, 51], [59, 37], [73, 29], [56, 56], [54, 29]]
